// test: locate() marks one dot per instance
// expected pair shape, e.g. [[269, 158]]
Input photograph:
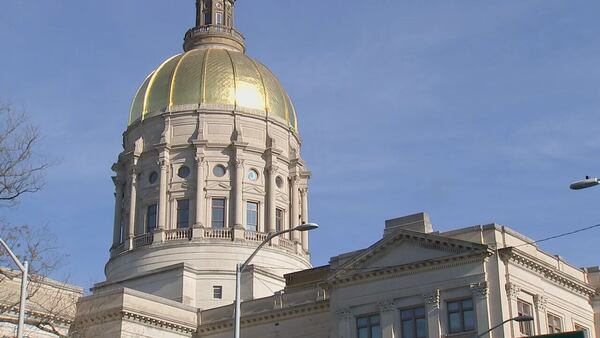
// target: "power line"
[[559, 236]]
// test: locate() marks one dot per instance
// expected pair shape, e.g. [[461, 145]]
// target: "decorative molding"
[[540, 302], [432, 298], [344, 313], [512, 290], [547, 271], [108, 316], [479, 289]]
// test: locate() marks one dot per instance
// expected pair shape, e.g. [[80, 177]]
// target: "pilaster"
[[432, 309], [480, 299], [271, 188], [163, 162], [304, 194], [344, 323], [387, 310], [118, 210], [200, 200], [539, 304], [512, 293], [294, 212], [238, 186]]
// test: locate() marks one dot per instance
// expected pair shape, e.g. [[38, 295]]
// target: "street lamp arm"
[[267, 240], [495, 327]]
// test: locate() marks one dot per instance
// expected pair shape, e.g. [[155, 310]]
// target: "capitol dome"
[[213, 78]]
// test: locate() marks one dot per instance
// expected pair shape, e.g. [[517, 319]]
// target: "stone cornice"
[[547, 271], [267, 316]]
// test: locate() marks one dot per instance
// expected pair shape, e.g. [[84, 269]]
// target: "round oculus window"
[[183, 172], [252, 175], [219, 170], [279, 182], [153, 177]]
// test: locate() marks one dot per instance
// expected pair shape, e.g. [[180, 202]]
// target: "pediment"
[[218, 186], [405, 248], [253, 190]]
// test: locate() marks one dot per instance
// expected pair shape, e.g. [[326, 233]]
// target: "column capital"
[[239, 163], [344, 313], [512, 290], [386, 305], [432, 298], [479, 289], [540, 302]]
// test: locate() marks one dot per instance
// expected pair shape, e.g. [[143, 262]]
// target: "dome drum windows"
[[219, 170], [252, 175], [183, 171]]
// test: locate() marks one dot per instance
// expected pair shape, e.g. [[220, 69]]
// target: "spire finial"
[[214, 27]]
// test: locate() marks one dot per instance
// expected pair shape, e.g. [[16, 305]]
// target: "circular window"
[[252, 175], [184, 171], [153, 177], [279, 182], [219, 170]]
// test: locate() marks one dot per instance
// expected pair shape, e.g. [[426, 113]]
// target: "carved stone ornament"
[[386, 305], [432, 299], [479, 289], [512, 290], [344, 313], [540, 302]]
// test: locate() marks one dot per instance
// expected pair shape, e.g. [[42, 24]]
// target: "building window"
[[183, 213], [461, 316], [184, 171], [218, 213], [153, 177], [279, 219], [217, 292], [368, 327], [219, 19], [151, 212], [554, 323], [251, 216], [219, 170], [414, 323], [252, 175], [525, 309], [581, 328]]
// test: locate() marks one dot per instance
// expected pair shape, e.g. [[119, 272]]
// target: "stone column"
[[539, 303], [480, 299], [162, 192], [118, 210], [294, 214], [238, 188], [304, 193], [432, 311], [132, 205], [200, 202], [271, 188], [344, 323], [387, 310]]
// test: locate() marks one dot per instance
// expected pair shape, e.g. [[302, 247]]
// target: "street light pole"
[[240, 268], [519, 319], [588, 182], [24, 269]]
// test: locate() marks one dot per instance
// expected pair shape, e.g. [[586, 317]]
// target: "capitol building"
[[211, 165]]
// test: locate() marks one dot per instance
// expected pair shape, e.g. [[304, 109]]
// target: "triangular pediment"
[[405, 248]]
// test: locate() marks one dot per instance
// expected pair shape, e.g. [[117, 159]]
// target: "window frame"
[[551, 327], [212, 212], [257, 213], [150, 229], [525, 328], [219, 18], [370, 324], [217, 292], [179, 208], [461, 311], [582, 328], [279, 219], [413, 320]]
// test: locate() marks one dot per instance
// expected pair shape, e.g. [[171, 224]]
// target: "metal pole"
[[23, 301], [236, 325]]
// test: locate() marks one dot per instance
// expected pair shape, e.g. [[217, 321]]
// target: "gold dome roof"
[[218, 79]]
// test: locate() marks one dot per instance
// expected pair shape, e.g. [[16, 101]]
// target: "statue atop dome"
[[214, 27]]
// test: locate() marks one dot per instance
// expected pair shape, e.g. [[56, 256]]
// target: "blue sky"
[[475, 112]]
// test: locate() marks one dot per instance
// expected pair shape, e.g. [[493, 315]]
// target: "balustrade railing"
[[218, 233], [142, 240], [287, 244], [255, 236], [178, 234], [204, 30]]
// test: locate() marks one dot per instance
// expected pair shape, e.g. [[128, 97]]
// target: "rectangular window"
[[461, 316], [183, 213], [217, 292], [414, 323], [218, 213], [251, 216], [581, 328], [151, 218], [554, 323], [278, 219], [525, 309], [219, 19], [368, 327]]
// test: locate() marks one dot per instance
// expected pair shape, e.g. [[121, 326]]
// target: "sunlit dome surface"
[[217, 79]]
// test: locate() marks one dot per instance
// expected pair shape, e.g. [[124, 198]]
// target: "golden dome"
[[215, 79]]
